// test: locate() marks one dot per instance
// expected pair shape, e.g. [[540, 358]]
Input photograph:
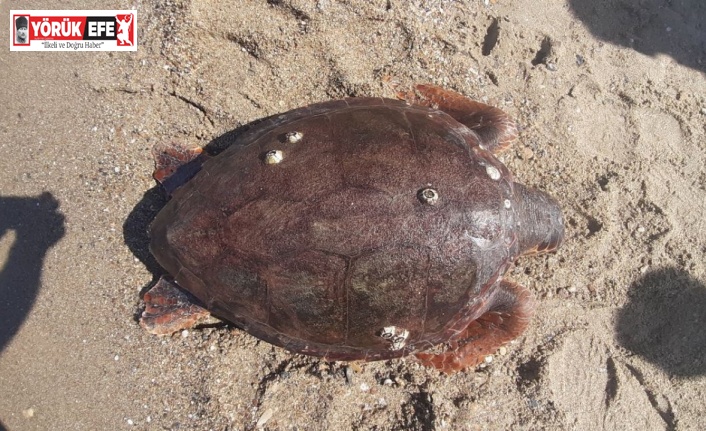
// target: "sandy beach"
[[610, 100]]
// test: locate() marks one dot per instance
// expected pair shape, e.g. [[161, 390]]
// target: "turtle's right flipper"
[[169, 309]]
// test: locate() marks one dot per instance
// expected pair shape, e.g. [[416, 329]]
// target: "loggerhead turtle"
[[356, 229]]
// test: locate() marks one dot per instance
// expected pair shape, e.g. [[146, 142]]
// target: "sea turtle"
[[355, 229]]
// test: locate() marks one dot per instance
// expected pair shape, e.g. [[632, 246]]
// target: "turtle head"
[[540, 226]]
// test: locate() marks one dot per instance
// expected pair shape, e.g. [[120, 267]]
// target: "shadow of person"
[[37, 226], [674, 28], [664, 321]]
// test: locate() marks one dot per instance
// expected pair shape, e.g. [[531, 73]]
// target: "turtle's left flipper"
[[494, 127], [509, 312], [169, 309]]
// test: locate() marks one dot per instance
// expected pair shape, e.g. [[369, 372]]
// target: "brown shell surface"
[[322, 251]]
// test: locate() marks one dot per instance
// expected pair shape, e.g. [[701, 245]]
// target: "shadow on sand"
[[37, 226], [674, 28], [664, 321]]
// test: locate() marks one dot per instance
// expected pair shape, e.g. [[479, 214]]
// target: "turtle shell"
[[363, 228]]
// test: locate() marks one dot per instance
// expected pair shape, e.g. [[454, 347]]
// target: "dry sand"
[[611, 99]]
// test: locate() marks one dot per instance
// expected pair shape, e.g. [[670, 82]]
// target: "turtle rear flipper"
[[509, 312], [175, 164], [494, 127], [169, 309]]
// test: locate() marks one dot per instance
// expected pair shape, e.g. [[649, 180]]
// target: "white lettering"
[[35, 27], [45, 28], [75, 29], [101, 28]]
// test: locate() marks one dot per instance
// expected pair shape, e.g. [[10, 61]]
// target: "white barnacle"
[[507, 204], [396, 336], [273, 157], [388, 332], [294, 137], [481, 242], [492, 172], [428, 196]]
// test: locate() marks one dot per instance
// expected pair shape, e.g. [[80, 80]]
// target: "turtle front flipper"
[[169, 309], [494, 127], [509, 312]]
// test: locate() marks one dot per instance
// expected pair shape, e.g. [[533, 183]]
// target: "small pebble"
[[532, 403], [572, 289], [489, 359], [502, 351], [364, 387], [117, 357], [350, 375], [644, 269], [703, 111], [130, 422], [387, 382], [266, 416], [185, 333], [641, 229], [526, 153], [562, 293], [28, 413]]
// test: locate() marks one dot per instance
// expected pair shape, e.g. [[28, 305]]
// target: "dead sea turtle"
[[356, 229]]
